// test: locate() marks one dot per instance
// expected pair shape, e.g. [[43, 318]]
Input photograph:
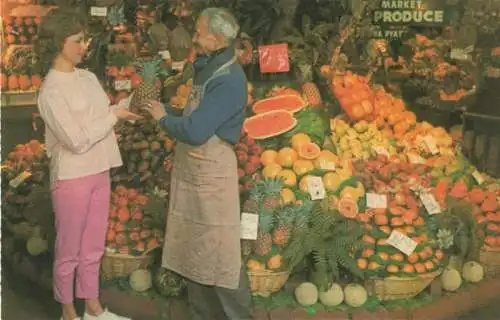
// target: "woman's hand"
[[156, 109], [124, 114]]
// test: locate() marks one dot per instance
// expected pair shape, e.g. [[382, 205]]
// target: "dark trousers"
[[215, 303]]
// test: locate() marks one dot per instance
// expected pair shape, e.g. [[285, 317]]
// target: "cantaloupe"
[[472, 272], [355, 295], [306, 294], [141, 280], [333, 296], [451, 279]]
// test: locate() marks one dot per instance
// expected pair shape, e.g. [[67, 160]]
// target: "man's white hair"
[[222, 22]]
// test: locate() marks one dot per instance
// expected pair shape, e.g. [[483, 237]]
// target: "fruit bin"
[[266, 282], [395, 288], [482, 142], [490, 259]]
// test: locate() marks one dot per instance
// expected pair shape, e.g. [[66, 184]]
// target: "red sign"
[[274, 58]]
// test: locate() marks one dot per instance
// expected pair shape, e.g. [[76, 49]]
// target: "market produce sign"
[[274, 58], [394, 15]]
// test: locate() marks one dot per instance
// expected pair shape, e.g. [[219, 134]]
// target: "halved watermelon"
[[269, 124], [291, 103]]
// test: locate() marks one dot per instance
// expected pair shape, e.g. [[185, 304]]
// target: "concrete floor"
[[21, 300]]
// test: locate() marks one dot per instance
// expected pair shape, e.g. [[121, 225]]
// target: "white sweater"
[[79, 124]]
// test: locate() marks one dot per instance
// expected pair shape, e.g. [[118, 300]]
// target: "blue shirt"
[[222, 108]]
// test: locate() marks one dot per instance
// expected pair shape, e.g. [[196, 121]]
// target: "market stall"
[[360, 186]]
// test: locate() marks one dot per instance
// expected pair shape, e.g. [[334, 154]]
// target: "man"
[[203, 224]]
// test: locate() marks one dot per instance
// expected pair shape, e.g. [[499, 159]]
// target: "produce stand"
[[375, 198]]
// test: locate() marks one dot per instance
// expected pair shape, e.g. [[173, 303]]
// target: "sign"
[[316, 188], [393, 16], [178, 65], [16, 182], [478, 177], [98, 11], [402, 242], [249, 226], [123, 85], [274, 58], [430, 203], [376, 201]]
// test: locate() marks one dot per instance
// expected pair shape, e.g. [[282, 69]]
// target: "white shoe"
[[106, 315], [77, 318]]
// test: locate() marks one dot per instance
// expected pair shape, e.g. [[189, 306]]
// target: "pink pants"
[[81, 208]]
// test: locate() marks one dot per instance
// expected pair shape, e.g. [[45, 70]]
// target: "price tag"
[[459, 54], [376, 201], [249, 226], [178, 65], [327, 165], [123, 85], [98, 11], [402, 242], [478, 177], [430, 203], [316, 188], [415, 158], [165, 55], [16, 182], [430, 142], [381, 151]]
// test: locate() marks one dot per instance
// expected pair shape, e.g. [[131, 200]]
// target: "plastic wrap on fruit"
[[274, 58]]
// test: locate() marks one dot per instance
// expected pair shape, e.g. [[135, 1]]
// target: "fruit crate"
[[481, 143], [19, 98]]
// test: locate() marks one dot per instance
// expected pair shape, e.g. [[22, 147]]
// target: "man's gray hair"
[[222, 22]]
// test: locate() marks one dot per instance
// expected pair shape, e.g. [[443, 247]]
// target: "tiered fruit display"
[[144, 149], [18, 72], [130, 230], [248, 153], [403, 213], [20, 30]]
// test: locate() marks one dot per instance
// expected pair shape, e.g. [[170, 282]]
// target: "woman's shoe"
[[106, 315]]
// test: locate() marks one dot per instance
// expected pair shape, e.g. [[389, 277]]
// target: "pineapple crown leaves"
[[270, 187], [151, 69], [116, 15], [266, 222]]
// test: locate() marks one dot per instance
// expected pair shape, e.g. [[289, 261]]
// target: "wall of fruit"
[[367, 184]]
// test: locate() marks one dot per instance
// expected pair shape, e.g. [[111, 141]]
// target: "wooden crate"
[[19, 98]]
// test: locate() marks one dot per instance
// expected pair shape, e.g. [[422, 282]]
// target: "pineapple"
[[148, 89], [281, 234], [264, 243], [271, 193]]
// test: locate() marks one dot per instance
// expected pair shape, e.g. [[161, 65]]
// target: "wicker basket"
[[115, 265], [490, 259], [265, 282], [394, 288]]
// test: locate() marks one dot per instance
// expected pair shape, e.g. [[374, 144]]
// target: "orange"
[[287, 196], [408, 268], [331, 181], [397, 257], [286, 157], [271, 171], [298, 140], [392, 268], [383, 256], [367, 252], [326, 160], [302, 166], [289, 177], [362, 263], [373, 265], [303, 184], [268, 157], [309, 151]]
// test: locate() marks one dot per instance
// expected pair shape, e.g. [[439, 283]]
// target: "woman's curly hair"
[[56, 26]]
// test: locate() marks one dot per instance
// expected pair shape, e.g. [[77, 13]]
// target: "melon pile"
[[130, 230]]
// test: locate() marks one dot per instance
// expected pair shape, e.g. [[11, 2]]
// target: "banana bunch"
[[360, 141]]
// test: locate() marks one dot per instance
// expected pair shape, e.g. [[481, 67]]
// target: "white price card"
[[460, 54], [415, 158], [402, 242], [178, 65], [249, 226], [430, 203], [376, 201], [430, 142], [123, 85], [316, 188], [381, 151], [165, 55], [327, 165], [478, 177], [16, 182], [98, 11]]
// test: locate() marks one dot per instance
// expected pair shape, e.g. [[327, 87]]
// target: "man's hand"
[[156, 109]]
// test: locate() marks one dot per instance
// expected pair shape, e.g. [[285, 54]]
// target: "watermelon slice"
[[269, 124], [292, 103]]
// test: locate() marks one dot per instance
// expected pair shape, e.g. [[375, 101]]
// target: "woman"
[[82, 146]]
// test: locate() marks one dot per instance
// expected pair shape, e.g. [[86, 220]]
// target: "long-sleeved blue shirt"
[[222, 108]]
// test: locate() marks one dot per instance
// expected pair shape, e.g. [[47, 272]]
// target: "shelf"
[[19, 99]]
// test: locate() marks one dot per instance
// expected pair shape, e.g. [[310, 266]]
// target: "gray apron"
[[202, 239]]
